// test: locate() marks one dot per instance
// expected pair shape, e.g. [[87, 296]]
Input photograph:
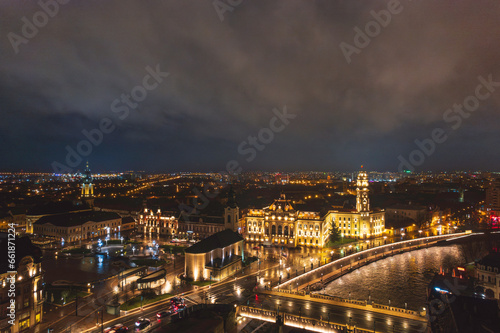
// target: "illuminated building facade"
[[488, 274], [78, 226], [282, 225], [493, 203], [28, 287], [164, 224], [216, 257], [493, 196]]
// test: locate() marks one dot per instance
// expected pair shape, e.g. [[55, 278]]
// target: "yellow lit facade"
[[28, 286], [159, 223], [87, 194], [280, 224], [361, 222]]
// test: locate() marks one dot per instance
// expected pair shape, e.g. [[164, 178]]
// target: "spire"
[[231, 200], [87, 175]]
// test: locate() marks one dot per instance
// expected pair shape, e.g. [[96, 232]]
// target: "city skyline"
[[206, 80], [242, 166]]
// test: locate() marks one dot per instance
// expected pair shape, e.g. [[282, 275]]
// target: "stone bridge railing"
[[368, 305], [302, 322]]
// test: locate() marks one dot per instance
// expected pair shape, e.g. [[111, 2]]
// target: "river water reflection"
[[78, 269], [401, 279]]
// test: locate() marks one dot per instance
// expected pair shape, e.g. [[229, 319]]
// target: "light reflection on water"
[[77, 269], [402, 278]]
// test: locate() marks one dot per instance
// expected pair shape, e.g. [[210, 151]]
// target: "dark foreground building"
[[454, 305], [21, 285]]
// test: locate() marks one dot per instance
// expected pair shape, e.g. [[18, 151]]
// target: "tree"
[[334, 235]]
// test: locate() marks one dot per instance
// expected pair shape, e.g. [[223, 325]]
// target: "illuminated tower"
[[362, 199], [363, 205], [231, 212], [87, 194]]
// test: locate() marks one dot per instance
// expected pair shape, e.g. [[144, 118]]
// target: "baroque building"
[[282, 224], [160, 223]]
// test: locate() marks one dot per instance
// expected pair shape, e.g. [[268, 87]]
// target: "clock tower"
[[362, 199]]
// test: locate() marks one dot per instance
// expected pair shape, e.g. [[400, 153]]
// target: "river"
[[401, 279]]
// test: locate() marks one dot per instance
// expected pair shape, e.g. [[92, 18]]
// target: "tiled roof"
[[73, 219], [216, 241], [491, 260]]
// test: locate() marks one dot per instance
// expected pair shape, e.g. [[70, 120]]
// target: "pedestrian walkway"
[[360, 305]]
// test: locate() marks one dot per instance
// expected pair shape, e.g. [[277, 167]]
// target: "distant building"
[[199, 227], [78, 226], [28, 281], [488, 274], [13, 215], [52, 209], [160, 223], [493, 203], [493, 196], [283, 225], [128, 223], [216, 257], [402, 216], [87, 194], [231, 212], [195, 226]]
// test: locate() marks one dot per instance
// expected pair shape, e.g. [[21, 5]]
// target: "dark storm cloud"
[[226, 77]]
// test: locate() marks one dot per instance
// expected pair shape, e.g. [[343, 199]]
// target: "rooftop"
[[216, 241], [491, 260], [79, 218]]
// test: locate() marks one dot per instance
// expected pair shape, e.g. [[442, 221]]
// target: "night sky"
[[225, 78]]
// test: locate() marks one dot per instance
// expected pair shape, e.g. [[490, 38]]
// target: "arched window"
[[286, 231], [279, 230], [273, 230]]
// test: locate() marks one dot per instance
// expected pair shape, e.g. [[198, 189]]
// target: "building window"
[[24, 324]]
